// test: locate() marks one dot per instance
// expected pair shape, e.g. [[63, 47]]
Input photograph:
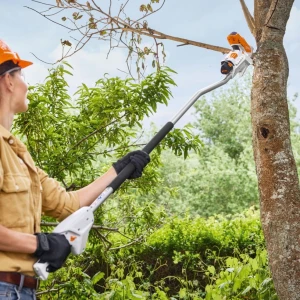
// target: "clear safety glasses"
[[13, 70]]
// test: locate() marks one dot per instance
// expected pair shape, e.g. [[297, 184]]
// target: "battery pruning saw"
[[239, 58], [77, 226]]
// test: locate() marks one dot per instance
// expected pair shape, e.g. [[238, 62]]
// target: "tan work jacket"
[[25, 192]]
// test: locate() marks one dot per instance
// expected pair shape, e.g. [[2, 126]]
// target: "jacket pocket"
[[15, 203], [15, 183]]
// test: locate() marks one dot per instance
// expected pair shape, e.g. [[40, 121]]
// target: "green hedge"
[[187, 258]]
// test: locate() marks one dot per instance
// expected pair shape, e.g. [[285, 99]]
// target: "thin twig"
[[126, 245], [96, 227], [50, 19], [104, 240], [42, 60], [94, 132], [147, 15], [118, 27], [43, 3], [48, 291]]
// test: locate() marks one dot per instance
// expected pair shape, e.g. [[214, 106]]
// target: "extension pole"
[[129, 169]]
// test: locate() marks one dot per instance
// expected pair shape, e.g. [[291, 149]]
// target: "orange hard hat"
[[6, 54]]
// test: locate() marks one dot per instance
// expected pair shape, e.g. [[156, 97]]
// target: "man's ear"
[[8, 82]]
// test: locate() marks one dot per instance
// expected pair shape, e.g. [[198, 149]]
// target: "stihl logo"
[[233, 55]]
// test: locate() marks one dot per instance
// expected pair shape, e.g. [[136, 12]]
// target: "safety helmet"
[[10, 60]]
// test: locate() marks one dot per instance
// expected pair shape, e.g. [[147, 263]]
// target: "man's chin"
[[23, 109]]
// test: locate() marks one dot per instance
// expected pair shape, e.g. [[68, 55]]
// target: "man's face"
[[15, 89]]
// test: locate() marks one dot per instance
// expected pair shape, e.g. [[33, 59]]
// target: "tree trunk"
[[275, 165]]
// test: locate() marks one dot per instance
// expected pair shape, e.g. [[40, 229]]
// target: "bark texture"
[[275, 164]]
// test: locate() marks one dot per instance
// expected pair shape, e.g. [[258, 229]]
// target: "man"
[[26, 191]]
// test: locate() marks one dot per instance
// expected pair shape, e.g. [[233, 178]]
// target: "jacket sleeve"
[[56, 201]]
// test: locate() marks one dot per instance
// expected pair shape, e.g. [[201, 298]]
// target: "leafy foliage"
[[243, 278], [224, 120], [139, 249], [108, 21], [66, 135], [209, 184], [221, 178], [188, 258]]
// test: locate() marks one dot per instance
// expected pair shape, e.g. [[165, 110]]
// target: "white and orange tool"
[[239, 58]]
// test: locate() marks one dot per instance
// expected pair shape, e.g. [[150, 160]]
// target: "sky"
[[205, 21]]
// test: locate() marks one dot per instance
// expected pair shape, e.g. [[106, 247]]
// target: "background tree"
[[275, 164], [221, 179]]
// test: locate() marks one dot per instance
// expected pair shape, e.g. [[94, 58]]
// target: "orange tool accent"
[[73, 238], [234, 39]]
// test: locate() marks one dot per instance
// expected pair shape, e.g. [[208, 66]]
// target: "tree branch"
[[48, 291], [107, 24], [104, 240], [95, 132], [154, 11], [97, 227], [51, 5], [158, 35], [49, 19], [126, 245], [249, 18]]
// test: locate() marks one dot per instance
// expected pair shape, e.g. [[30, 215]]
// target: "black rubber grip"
[[122, 176], [129, 169], [158, 137]]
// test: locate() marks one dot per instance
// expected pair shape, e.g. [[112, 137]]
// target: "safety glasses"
[[13, 70]]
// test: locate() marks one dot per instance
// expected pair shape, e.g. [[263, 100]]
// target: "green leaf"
[[97, 277], [211, 270], [182, 293]]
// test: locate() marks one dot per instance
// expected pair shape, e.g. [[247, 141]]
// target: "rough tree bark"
[[275, 165]]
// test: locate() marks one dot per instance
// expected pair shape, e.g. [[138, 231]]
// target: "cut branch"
[[159, 35], [112, 23]]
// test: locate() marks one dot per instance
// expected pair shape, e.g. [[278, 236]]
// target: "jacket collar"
[[5, 133], [18, 147]]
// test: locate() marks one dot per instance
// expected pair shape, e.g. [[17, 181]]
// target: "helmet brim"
[[24, 63]]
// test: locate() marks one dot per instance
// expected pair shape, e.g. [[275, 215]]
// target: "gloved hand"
[[52, 248], [138, 158]]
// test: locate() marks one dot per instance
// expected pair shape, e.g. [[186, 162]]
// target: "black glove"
[[52, 248], [138, 158]]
